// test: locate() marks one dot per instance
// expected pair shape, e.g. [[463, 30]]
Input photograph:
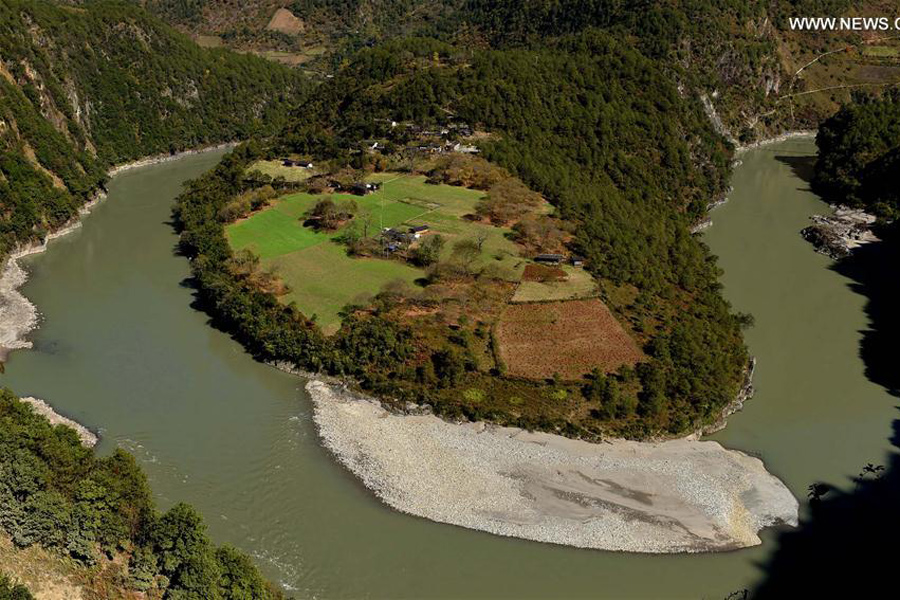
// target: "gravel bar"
[[665, 497]]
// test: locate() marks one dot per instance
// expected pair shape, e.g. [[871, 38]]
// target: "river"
[[121, 350]]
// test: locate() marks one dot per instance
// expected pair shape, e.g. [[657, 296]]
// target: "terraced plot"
[[570, 338]]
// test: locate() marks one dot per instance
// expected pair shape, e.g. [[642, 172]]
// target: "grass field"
[[578, 284], [569, 338], [275, 168], [323, 279]]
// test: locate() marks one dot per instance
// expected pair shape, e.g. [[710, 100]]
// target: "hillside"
[[84, 88], [859, 149], [759, 75]]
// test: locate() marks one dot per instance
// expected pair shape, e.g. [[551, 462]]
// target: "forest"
[[859, 154], [99, 511], [82, 90]]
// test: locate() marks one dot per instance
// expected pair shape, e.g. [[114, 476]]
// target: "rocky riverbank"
[[745, 393], [88, 438], [838, 234], [665, 497]]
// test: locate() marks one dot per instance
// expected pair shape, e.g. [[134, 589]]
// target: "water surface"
[[121, 350]]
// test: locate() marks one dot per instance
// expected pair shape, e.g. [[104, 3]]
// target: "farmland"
[[575, 284], [539, 340], [323, 278]]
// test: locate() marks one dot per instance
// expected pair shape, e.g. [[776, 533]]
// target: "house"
[[395, 237], [465, 149], [362, 188], [287, 162], [419, 230], [549, 259], [577, 261]]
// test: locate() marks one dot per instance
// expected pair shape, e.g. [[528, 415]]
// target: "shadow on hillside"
[[874, 271], [848, 545], [802, 166]]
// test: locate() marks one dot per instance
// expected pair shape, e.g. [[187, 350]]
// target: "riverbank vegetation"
[[84, 89], [573, 123], [99, 512]]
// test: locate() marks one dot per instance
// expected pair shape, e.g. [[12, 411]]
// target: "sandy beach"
[[665, 497]]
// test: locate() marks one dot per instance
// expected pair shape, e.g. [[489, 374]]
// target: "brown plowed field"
[[569, 338]]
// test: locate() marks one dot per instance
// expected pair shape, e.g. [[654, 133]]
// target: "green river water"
[[121, 350]]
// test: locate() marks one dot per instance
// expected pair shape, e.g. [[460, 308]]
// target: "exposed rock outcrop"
[[838, 234]]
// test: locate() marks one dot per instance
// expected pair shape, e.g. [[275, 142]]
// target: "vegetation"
[[859, 154], [99, 511], [10, 591], [81, 90], [574, 121]]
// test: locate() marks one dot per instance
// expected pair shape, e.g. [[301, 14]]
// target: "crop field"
[[578, 283], [323, 279], [569, 338]]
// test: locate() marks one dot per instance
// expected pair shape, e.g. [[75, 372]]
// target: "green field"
[[323, 279]]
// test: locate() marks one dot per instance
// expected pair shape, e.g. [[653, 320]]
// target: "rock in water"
[[838, 234]]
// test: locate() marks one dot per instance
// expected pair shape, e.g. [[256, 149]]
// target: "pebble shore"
[[665, 497], [88, 438]]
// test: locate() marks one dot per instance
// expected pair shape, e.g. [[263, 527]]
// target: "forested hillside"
[[99, 511], [859, 155], [83, 88], [757, 74]]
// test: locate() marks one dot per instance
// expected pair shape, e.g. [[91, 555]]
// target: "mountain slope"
[[83, 88]]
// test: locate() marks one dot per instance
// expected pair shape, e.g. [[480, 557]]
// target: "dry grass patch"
[[46, 575], [284, 21], [573, 284], [569, 338]]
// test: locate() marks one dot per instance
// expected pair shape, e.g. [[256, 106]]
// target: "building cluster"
[[394, 239], [558, 259]]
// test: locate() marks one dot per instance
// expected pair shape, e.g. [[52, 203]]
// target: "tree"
[[466, 252], [428, 251], [238, 577], [185, 555]]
